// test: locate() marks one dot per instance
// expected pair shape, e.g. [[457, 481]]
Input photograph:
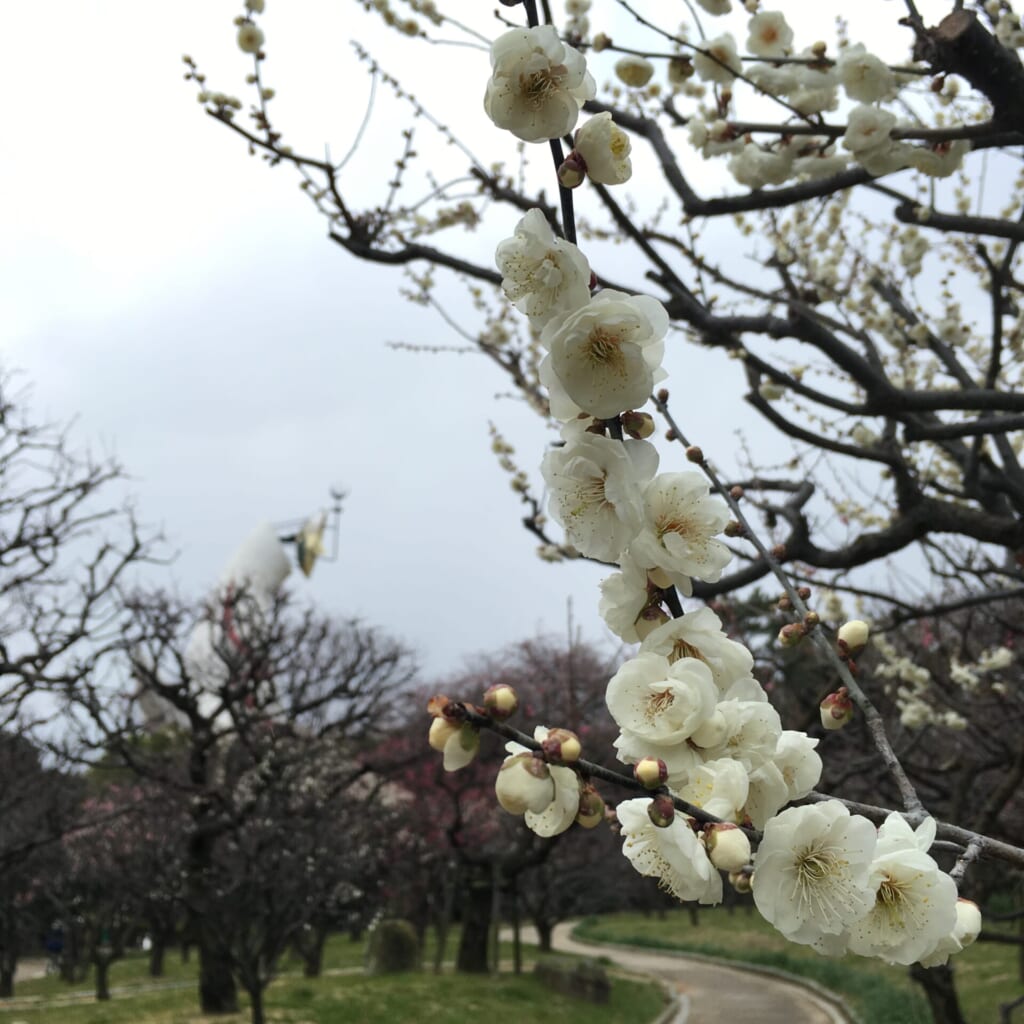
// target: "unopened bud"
[[736, 493], [649, 620], [441, 731], [573, 171], [852, 636], [670, 434], [501, 701], [836, 709], [804, 593], [524, 784], [791, 634], [968, 922], [695, 454], [637, 424], [778, 552], [819, 49], [662, 395], [784, 604], [651, 772], [661, 810], [733, 529], [562, 745], [727, 846], [591, 812], [741, 881], [811, 620], [600, 42], [461, 748]]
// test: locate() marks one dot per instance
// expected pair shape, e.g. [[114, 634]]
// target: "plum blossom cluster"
[[809, 83], [694, 723]]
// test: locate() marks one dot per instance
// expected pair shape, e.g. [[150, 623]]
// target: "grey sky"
[[180, 299]]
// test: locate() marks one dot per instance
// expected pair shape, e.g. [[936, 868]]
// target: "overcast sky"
[[180, 300]]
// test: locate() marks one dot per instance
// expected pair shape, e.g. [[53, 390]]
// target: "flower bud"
[[591, 812], [600, 42], [741, 881], [637, 424], [791, 634], [679, 70], [836, 709], [461, 748], [524, 784], [695, 454], [650, 619], [727, 846], [562, 745], [441, 731], [572, 171], [501, 701], [661, 810], [651, 772], [852, 637], [968, 921], [634, 71]]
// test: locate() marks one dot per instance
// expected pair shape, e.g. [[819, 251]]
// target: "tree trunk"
[[543, 934], [310, 946], [217, 990], [940, 990], [102, 965], [6, 982], [256, 1001], [156, 958], [473, 955]]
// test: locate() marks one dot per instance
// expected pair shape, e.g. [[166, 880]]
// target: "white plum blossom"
[[537, 84], [624, 595], [561, 812], [659, 702], [605, 149], [939, 161], [250, 37], [717, 60], [607, 355], [863, 76], [596, 486], [634, 71], [698, 634], [798, 761], [542, 275], [682, 518], [868, 129], [915, 903], [756, 167], [672, 854], [769, 36], [811, 871], [718, 787]]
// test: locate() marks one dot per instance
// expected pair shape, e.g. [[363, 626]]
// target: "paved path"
[[712, 991]]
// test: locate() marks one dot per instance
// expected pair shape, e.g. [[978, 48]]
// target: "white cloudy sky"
[[181, 301]]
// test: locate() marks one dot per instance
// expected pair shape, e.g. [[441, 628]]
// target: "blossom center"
[[657, 703], [821, 889], [681, 649], [538, 86], [892, 900], [604, 347]]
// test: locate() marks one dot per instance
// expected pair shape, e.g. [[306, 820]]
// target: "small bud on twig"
[[651, 772], [836, 709], [661, 810]]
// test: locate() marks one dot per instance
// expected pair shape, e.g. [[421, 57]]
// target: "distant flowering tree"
[[871, 298]]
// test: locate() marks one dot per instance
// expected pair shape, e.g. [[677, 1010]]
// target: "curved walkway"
[[713, 991]]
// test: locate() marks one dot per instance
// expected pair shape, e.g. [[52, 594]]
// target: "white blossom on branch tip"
[[605, 149], [537, 84]]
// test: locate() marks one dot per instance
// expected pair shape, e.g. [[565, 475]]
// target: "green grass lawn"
[[423, 998], [986, 973]]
